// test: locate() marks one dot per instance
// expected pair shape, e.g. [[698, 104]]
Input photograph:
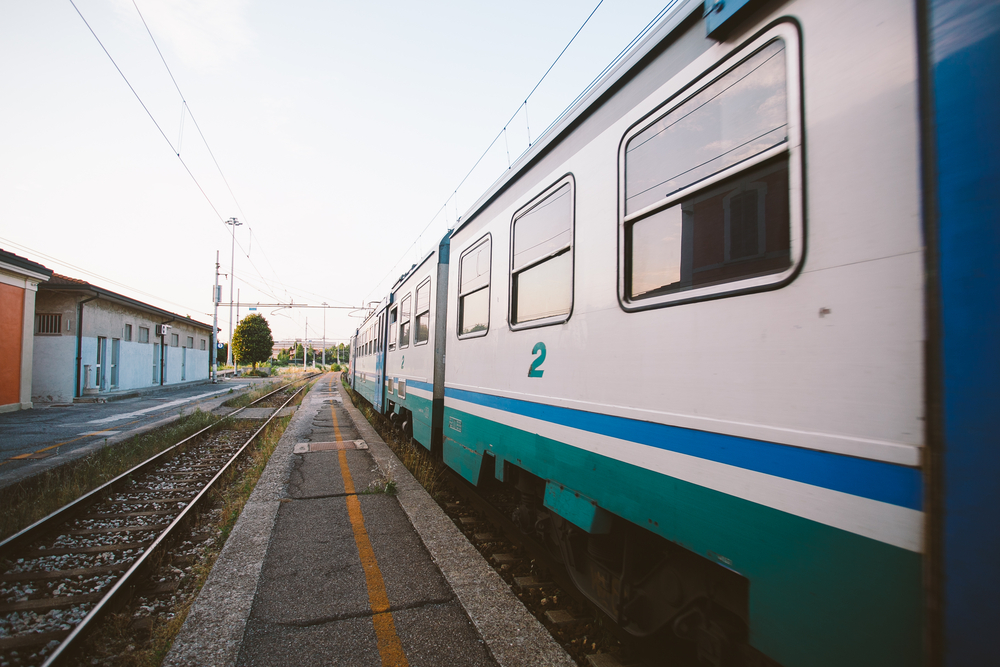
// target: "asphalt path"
[[49, 435]]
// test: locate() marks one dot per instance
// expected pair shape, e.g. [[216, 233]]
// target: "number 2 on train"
[[534, 371]]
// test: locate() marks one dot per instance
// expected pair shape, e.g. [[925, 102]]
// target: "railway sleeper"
[[32, 639]]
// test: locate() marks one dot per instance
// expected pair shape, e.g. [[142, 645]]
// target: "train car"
[[352, 354], [729, 328], [414, 380], [368, 365], [691, 326]]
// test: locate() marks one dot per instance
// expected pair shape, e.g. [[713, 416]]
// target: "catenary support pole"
[[232, 263], [216, 294]]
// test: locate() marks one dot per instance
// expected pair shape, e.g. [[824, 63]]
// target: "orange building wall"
[[11, 328]]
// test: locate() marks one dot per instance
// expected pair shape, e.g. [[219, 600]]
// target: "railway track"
[[66, 572]]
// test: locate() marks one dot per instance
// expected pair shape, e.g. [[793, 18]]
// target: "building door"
[[156, 363], [102, 353], [116, 344]]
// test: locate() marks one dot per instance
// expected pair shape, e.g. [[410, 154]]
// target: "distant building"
[[90, 341], [19, 279]]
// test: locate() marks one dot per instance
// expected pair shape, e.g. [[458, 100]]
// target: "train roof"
[[588, 101], [413, 269]]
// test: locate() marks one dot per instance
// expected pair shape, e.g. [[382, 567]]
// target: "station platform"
[[323, 568]]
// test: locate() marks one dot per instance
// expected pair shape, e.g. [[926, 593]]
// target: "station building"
[[19, 280], [91, 342]]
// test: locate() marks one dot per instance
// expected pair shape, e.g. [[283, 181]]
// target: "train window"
[[541, 272], [707, 186], [474, 289], [422, 328], [404, 322], [392, 328]]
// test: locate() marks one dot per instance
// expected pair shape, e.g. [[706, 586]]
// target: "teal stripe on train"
[[811, 585], [420, 407], [366, 388]]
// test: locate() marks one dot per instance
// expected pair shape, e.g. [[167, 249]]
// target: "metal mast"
[[232, 263], [216, 298]]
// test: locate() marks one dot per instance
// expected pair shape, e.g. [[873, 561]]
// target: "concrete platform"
[[322, 569]]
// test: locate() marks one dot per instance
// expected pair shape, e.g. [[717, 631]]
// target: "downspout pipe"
[[163, 351], [79, 341]]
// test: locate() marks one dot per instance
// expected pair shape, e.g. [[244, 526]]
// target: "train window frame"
[[404, 321], [393, 327], [790, 150], [418, 313], [486, 239], [570, 248]]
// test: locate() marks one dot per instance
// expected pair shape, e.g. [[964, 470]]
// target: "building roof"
[[18, 262], [61, 283]]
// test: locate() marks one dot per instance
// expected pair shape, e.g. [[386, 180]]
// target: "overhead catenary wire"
[[169, 143], [60, 262], [503, 132], [187, 107]]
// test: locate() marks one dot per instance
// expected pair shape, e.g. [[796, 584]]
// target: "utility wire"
[[165, 138], [130, 288], [501, 133], [205, 141]]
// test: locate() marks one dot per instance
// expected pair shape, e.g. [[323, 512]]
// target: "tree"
[[252, 340]]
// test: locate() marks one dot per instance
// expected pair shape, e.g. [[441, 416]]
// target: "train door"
[[379, 331], [962, 180]]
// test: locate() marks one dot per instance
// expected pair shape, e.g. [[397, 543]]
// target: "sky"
[[335, 132]]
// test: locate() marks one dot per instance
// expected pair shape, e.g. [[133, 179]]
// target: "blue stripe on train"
[[417, 384], [885, 482]]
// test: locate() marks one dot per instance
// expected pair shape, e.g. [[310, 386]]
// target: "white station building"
[[90, 342]]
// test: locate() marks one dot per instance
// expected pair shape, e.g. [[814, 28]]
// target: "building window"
[[706, 186], [404, 322], [48, 323], [143, 334], [203, 344], [393, 317], [474, 289], [190, 342], [423, 312], [128, 332], [174, 338], [541, 272]]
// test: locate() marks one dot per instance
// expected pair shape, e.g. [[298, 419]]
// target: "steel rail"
[[27, 535], [124, 588]]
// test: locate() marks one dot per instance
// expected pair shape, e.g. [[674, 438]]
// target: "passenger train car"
[[730, 330]]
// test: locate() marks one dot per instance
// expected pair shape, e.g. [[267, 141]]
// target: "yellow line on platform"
[[389, 646]]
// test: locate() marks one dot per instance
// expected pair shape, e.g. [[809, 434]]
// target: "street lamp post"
[[324, 334], [232, 263]]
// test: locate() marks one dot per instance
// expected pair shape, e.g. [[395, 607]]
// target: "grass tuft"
[[424, 468], [249, 397]]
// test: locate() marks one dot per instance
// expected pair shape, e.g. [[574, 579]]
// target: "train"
[[729, 329]]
